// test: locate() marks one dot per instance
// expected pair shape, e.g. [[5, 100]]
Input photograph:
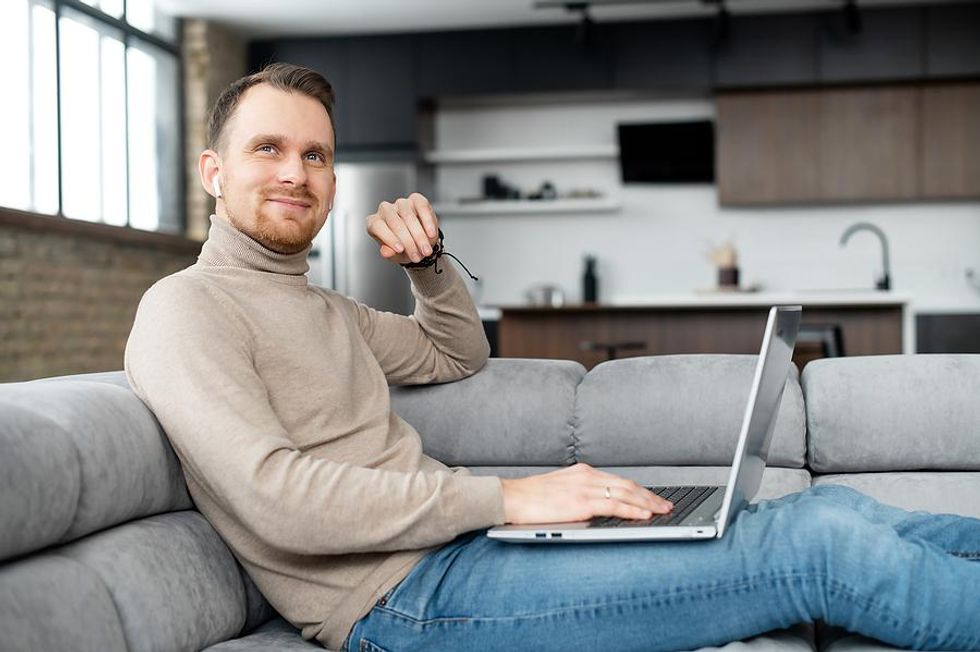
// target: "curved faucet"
[[883, 283]]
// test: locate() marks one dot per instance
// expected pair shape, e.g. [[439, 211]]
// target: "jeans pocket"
[[367, 646]]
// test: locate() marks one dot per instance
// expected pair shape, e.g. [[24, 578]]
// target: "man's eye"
[[265, 148], [315, 156]]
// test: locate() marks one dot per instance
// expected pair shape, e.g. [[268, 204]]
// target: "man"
[[274, 394]]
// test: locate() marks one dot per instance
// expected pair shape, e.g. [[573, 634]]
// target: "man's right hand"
[[578, 493]]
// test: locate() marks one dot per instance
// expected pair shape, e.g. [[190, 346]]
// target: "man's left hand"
[[406, 229]]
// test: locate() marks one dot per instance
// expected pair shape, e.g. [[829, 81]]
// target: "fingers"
[[624, 496], [408, 226]]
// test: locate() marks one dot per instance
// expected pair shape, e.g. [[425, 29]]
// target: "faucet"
[[883, 283]]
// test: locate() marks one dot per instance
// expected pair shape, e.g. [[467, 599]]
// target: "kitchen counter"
[[866, 322], [728, 299]]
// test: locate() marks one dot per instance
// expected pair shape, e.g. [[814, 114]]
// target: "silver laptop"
[[700, 512]]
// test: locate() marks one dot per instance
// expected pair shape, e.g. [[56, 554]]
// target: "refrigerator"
[[344, 257]]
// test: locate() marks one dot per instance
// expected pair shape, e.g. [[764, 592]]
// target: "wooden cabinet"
[[951, 141], [882, 143], [767, 146], [562, 333], [867, 144]]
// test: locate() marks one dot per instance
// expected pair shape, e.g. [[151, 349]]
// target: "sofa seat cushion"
[[946, 492], [277, 634]]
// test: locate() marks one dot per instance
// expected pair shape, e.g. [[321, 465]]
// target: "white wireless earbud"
[[216, 187]]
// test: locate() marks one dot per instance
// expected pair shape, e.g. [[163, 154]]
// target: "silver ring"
[[608, 494]]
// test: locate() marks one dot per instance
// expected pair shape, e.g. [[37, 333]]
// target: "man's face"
[[277, 177]]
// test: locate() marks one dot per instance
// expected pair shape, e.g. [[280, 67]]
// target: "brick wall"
[[213, 58], [68, 297]]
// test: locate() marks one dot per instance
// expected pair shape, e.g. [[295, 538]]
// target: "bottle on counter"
[[590, 282]]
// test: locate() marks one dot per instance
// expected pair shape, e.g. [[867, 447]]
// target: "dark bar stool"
[[611, 349], [816, 341]]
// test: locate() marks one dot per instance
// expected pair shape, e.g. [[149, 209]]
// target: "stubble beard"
[[281, 235]]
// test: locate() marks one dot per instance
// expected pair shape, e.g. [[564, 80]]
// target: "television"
[[667, 152]]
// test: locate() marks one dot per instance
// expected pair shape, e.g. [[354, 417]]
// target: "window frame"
[[129, 34]]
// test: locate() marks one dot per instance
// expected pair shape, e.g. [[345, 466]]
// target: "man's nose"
[[293, 171]]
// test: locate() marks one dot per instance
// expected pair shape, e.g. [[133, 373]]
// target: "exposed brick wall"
[[213, 58], [67, 301]]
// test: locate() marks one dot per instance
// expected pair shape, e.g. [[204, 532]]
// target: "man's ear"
[[209, 166]]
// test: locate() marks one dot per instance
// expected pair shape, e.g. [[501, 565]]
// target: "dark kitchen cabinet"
[[672, 56], [556, 59], [953, 35], [889, 46], [381, 91], [950, 141], [768, 50], [473, 62]]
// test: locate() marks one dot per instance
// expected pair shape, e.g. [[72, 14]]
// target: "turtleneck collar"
[[226, 246]]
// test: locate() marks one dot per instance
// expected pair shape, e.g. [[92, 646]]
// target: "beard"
[[283, 235]]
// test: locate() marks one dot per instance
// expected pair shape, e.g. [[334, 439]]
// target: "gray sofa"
[[101, 547]]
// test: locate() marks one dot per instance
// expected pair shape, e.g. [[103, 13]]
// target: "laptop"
[[700, 512]]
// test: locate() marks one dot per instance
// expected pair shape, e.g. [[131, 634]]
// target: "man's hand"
[[578, 493], [405, 229]]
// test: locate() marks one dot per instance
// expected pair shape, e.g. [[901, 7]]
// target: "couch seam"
[[573, 423], [102, 582]]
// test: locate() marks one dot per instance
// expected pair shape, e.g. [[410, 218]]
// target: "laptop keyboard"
[[685, 499]]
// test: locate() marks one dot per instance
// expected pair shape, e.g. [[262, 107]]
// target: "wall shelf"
[[526, 206], [513, 154]]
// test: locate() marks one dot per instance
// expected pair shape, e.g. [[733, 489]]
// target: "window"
[[94, 121]]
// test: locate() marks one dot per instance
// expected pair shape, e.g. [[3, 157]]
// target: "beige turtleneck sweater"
[[274, 394]]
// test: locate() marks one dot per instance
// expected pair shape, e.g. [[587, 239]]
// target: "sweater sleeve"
[[443, 340], [191, 363]]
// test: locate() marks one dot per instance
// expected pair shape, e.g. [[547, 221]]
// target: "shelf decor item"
[[726, 260]]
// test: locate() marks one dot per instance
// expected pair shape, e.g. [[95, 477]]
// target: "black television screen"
[[667, 152]]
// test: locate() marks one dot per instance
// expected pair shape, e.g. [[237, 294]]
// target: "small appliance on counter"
[[545, 295]]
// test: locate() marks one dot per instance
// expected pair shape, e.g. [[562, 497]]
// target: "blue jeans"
[[828, 553]]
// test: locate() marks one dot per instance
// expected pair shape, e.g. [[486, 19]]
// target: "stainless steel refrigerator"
[[343, 256]]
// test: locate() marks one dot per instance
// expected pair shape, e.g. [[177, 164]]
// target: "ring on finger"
[[608, 493]]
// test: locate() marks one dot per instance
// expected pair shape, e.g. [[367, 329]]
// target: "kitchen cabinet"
[[954, 45], [563, 333], [889, 46], [867, 144], [882, 143], [665, 55], [463, 63], [767, 147], [381, 92], [950, 141], [768, 50]]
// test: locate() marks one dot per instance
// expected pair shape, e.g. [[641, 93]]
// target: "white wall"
[[657, 243]]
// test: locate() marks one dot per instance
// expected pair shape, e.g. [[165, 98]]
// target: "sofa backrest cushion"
[[678, 410], [79, 456], [513, 412], [893, 413]]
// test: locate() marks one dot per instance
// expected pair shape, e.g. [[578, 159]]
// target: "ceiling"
[[262, 18]]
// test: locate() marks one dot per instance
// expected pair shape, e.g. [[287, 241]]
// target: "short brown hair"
[[283, 76]]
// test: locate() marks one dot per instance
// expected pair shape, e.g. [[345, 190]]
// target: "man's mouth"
[[289, 201]]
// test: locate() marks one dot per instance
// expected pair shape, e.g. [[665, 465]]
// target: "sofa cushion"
[[893, 413], [79, 456], [49, 602], [175, 584], [276, 634], [678, 409], [948, 492], [855, 643], [513, 411]]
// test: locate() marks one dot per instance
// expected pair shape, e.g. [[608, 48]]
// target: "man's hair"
[[283, 76]]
